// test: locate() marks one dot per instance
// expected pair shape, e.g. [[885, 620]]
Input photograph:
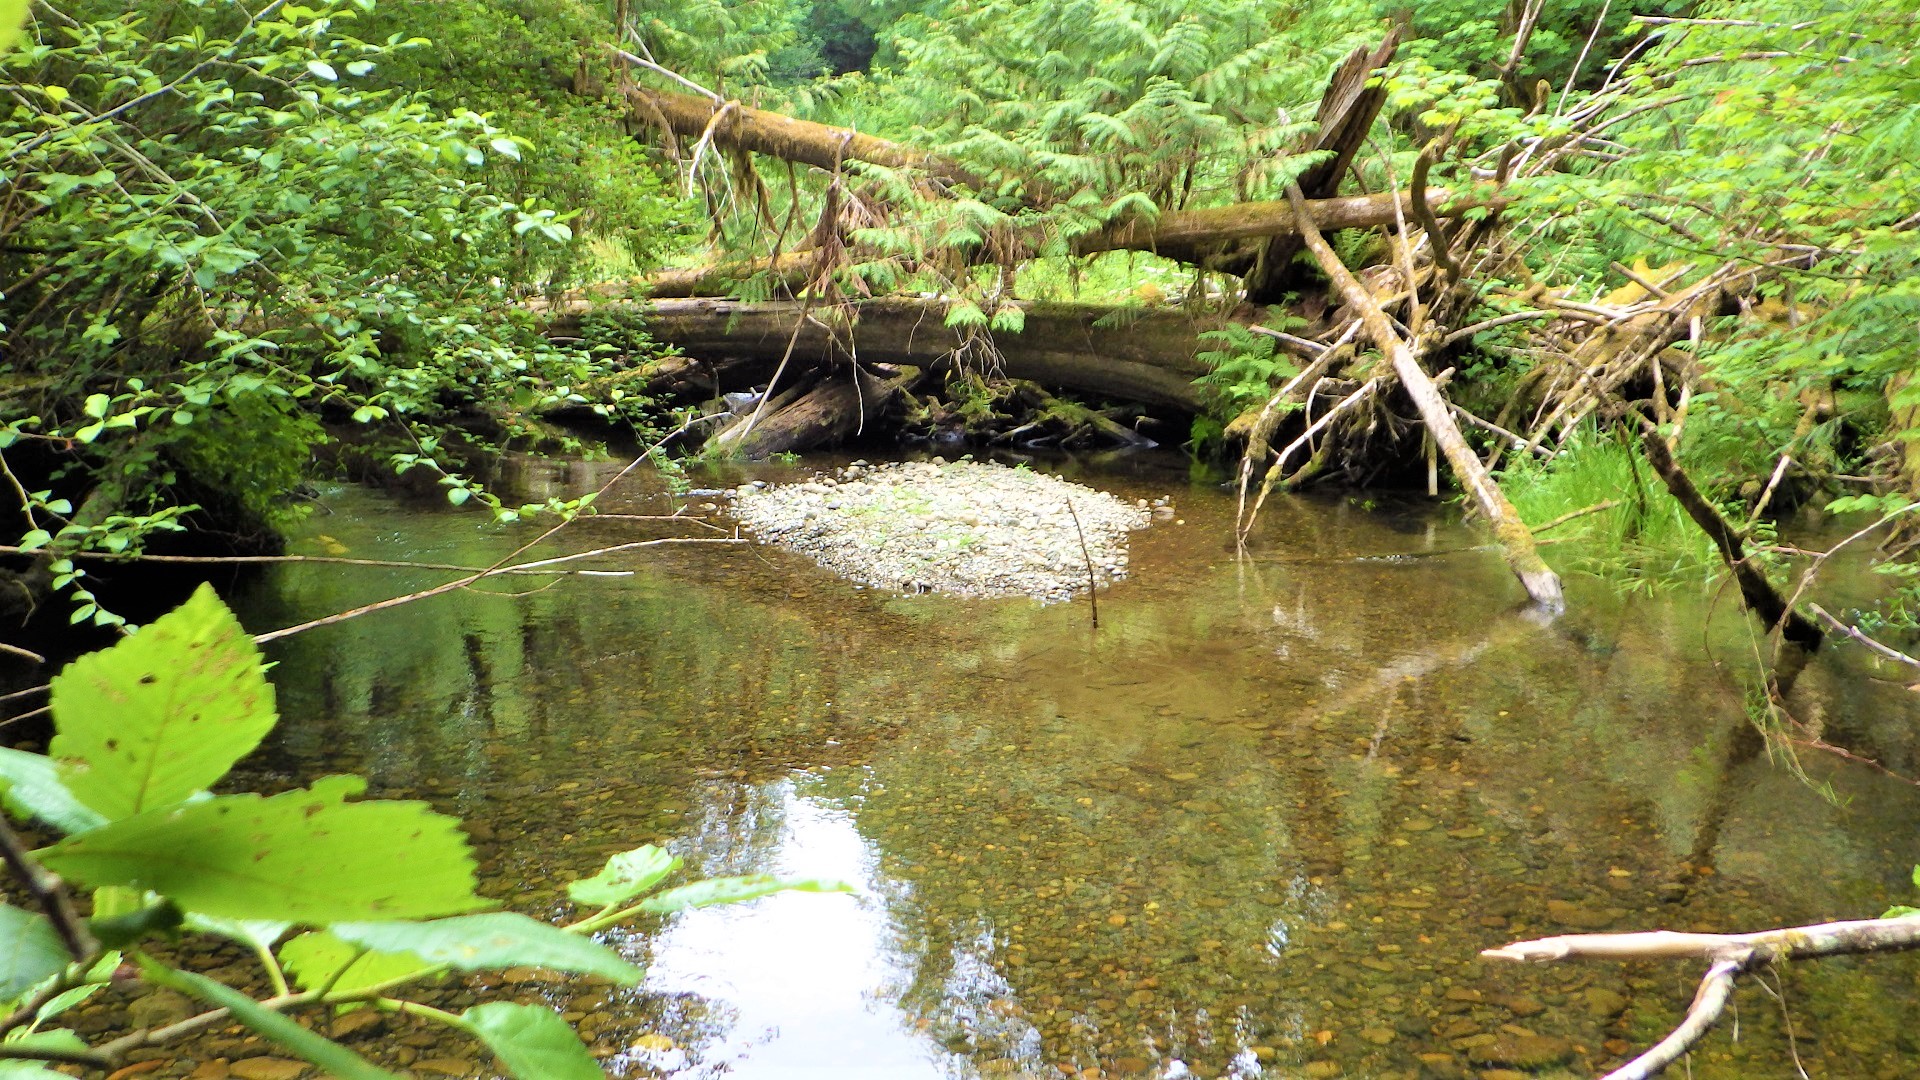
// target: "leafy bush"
[[343, 901]]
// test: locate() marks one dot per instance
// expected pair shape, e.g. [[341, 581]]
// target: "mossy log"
[[1146, 357]]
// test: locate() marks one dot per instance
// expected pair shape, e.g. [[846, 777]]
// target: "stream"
[[1258, 823]]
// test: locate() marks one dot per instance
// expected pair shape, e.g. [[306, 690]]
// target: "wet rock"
[[1320, 1070], [211, 1070], [268, 1068], [1520, 1005], [1378, 1036], [1522, 1051], [444, 1066], [159, 1009], [1568, 913], [1603, 1003]]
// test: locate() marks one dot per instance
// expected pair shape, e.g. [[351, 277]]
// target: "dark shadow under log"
[[839, 406]]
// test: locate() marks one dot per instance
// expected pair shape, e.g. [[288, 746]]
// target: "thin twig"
[[1093, 587]]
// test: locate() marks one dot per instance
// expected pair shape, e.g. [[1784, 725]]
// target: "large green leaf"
[[302, 856], [30, 951], [499, 940], [12, 14], [625, 876], [26, 1070], [329, 1055], [534, 1043], [735, 890], [162, 714], [320, 959], [31, 786]]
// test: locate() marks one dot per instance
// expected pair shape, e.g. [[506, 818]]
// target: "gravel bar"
[[963, 528]]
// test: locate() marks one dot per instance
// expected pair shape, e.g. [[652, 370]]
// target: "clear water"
[[1259, 823]]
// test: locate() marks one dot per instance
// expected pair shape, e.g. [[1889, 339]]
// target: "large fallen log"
[[840, 406], [1149, 357]]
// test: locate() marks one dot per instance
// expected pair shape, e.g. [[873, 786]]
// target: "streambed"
[[1258, 823]]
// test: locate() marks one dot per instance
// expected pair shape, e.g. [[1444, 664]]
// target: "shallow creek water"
[[1258, 823]]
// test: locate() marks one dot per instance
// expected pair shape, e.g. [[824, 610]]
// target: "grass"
[[1646, 541]]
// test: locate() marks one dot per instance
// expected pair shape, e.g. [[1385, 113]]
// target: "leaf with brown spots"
[[163, 714], [302, 856]]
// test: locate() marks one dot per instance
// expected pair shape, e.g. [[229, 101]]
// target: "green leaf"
[[259, 933], [358, 68], [30, 951], [322, 70], [25, 1070], [97, 406], [320, 959], [735, 890], [506, 147], [625, 876], [329, 1055], [533, 1041], [30, 785], [13, 13], [35, 539], [163, 714], [301, 856], [497, 940]]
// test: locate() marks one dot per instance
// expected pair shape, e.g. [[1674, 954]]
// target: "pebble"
[[964, 529], [267, 1068]]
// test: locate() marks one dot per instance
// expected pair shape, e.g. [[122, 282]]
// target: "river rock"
[[268, 1068], [1522, 1051]]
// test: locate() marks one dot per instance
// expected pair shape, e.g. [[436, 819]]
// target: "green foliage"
[[144, 728], [1246, 368], [1644, 541], [1899, 911], [227, 220]]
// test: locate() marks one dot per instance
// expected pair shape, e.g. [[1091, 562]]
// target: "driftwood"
[[1148, 357], [1729, 957], [1541, 583]]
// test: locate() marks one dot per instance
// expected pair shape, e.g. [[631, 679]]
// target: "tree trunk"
[[1345, 117], [1148, 357]]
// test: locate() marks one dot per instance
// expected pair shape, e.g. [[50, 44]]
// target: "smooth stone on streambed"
[[966, 528]]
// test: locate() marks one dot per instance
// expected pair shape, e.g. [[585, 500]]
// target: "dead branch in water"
[[1729, 956], [1541, 583]]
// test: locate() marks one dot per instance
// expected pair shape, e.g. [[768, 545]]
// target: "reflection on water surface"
[[1258, 824]]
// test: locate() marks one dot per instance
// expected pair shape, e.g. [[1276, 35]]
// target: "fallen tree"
[[1149, 357]]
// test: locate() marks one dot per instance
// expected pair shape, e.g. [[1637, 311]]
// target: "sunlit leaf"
[[163, 714], [320, 959], [30, 785], [625, 876], [498, 940], [248, 857], [534, 1043], [736, 890]]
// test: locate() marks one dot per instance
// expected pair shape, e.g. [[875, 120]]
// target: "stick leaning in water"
[[1541, 583], [1093, 587]]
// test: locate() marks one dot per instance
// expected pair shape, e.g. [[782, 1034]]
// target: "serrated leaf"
[[735, 890], [30, 785], [320, 959], [498, 940], [329, 1055], [163, 714], [30, 951], [625, 876], [247, 857], [533, 1042]]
